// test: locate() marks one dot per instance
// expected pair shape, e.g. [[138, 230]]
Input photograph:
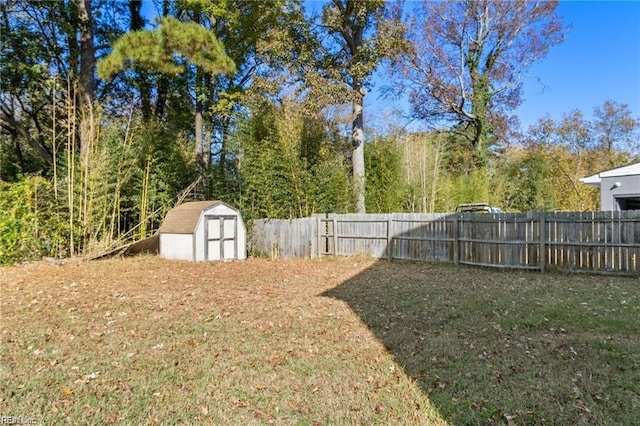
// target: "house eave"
[[594, 180]]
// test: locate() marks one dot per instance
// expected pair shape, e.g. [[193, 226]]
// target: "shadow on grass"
[[496, 347]]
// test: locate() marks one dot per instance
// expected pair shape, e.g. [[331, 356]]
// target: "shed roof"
[[629, 170], [184, 218]]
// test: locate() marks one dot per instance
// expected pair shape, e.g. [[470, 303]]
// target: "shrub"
[[31, 226]]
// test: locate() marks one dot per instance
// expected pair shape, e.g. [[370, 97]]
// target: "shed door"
[[221, 237]]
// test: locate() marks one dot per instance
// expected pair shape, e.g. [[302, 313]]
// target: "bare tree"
[[466, 60], [614, 126]]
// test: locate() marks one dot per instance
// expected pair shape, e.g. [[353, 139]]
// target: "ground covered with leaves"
[[337, 341]]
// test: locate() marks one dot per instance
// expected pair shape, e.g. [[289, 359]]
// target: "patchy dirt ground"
[[339, 341]]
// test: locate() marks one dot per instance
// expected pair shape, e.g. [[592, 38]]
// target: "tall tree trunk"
[[199, 111], [87, 122], [201, 165], [207, 82], [199, 154], [163, 81], [161, 98], [87, 69], [144, 87], [87, 55], [357, 140]]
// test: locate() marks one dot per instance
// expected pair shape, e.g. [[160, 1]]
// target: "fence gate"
[[221, 237]]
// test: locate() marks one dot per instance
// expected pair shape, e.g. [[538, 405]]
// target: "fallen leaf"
[[93, 375], [239, 403]]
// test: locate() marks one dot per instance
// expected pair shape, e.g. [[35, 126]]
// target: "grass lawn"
[[307, 342]]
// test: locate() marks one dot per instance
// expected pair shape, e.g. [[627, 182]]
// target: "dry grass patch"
[[147, 341], [342, 341]]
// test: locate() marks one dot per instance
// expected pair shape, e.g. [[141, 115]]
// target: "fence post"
[[319, 235], [543, 238], [455, 240], [389, 239], [335, 237]]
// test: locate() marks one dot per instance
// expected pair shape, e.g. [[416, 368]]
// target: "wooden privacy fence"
[[284, 237], [607, 242]]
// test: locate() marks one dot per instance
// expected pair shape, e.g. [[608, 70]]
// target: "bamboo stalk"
[[70, 163], [53, 142], [144, 201]]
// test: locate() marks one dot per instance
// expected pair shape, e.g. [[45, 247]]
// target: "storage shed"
[[203, 231], [619, 187]]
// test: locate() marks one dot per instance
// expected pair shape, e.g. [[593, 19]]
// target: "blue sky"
[[598, 61]]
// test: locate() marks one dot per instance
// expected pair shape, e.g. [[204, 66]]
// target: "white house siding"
[[616, 187], [619, 187]]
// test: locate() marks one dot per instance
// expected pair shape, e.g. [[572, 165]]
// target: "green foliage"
[[146, 165], [166, 49], [9, 168], [525, 183], [289, 166], [333, 191], [386, 183], [132, 177], [31, 225], [111, 170], [463, 158], [472, 187], [348, 21]]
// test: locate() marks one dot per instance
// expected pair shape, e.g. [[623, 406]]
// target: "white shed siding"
[[242, 239], [229, 247], [214, 253], [199, 238], [176, 246], [184, 236]]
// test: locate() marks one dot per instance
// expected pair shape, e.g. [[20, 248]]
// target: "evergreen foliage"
[[166, 50], [386, 185], [289, 165]]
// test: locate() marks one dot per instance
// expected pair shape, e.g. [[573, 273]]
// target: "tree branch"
[[41, 150]]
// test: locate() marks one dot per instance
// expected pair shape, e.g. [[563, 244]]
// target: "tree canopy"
[[465, 61], [113, 112]]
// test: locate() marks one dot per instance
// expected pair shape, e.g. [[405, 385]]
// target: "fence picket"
[[607, 242]]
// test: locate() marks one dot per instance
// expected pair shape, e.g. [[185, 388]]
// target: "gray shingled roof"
[[183, 219]]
